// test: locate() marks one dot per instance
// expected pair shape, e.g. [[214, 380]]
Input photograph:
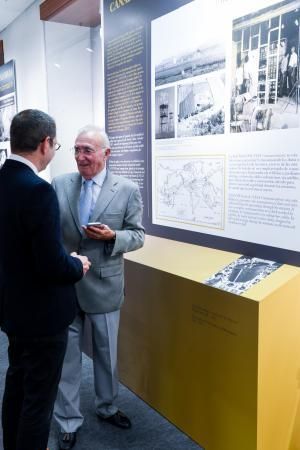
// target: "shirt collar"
[[23, 160], [98, 179]]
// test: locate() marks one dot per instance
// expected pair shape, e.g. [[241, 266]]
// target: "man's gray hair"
[[99, 132]]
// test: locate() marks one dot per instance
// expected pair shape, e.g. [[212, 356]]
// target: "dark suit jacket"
[[37, 276]]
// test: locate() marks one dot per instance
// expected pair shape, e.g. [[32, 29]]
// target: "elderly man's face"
[[89, 155]]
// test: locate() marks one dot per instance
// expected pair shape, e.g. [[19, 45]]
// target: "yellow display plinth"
[[223, 368]]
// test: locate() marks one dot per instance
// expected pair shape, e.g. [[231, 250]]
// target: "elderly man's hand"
[[100, 232]]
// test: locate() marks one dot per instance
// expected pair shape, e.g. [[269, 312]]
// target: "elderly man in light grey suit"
[[114, 204]]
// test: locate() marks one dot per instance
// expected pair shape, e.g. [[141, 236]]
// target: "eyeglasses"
[[57, 146], [85, 150]]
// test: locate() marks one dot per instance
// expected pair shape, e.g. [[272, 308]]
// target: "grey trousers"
[[104, 339]]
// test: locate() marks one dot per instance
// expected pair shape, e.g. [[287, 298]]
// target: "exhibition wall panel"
[[202, 108]]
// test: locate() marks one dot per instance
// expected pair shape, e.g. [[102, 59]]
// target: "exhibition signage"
[[203, 112]]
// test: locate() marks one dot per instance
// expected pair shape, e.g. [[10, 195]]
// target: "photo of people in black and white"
[[164, 113], [3, 156], [265, 69]]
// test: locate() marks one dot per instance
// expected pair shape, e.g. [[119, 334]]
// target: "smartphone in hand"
[[94, 224]]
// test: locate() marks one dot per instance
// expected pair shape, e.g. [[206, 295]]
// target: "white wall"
[[69, 86], [72, 87], [24, 42], [98, 80]]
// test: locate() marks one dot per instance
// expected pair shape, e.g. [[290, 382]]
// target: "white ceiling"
[[11, 9]]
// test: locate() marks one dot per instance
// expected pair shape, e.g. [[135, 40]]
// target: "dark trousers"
[[283, 84], [292, 76], [30, 390]]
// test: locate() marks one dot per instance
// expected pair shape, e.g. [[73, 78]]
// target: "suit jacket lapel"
[[107, 193], [73, 189]]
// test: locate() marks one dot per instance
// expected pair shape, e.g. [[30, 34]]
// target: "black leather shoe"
[[118, 419], [66, 440]]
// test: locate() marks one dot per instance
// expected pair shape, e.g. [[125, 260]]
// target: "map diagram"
[[191, 190]]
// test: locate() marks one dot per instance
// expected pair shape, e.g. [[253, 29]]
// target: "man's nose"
[[80, 155]]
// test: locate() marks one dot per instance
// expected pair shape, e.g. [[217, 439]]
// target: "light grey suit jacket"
[[119, 206]]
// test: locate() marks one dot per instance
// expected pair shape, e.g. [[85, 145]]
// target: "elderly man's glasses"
[[85, 150]]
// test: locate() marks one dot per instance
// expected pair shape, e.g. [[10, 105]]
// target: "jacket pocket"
[[110, 214], [110, 271]]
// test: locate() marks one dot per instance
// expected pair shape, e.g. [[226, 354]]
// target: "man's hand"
[[86, 264], [100, 232]]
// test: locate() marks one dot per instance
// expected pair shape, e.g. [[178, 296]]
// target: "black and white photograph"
[[201, 106], [265, 69], [7, 111], [8, 99], [242, 274], [194, 65], [3, 156], [199, 50], [200, 60], [164, 113]]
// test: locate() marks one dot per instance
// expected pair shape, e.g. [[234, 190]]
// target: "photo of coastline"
[[194, 66]]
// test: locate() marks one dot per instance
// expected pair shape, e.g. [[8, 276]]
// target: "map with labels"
[[190, 190]]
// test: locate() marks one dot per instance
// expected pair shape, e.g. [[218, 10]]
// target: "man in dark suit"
[[37, 295]]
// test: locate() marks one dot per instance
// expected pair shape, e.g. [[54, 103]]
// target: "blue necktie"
[[86, 202]]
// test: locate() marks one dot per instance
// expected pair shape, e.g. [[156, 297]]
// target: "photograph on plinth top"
[[242, 274]]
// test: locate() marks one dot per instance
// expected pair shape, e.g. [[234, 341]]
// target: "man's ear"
[[107, 152], [44, 145]]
